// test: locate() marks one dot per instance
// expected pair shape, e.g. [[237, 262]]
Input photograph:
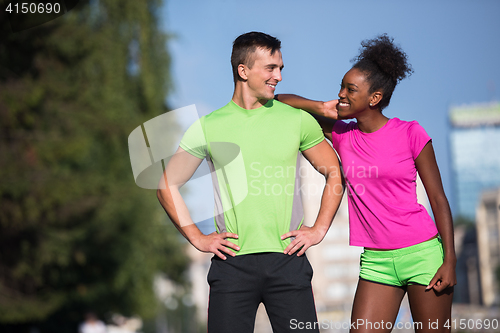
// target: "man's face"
[[264, 74]]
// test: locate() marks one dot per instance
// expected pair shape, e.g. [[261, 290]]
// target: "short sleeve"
[[194, 141], [310, 131], [417, 138], [339, 129]]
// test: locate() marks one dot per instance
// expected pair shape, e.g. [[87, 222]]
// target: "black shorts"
[[281, 282]]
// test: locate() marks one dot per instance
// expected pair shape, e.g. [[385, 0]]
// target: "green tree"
[[465, 221], [76, 233]]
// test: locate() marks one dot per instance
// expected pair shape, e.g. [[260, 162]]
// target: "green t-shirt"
[[254, 159]]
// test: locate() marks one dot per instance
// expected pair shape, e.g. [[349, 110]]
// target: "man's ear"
[[242, 71], [375, 98]]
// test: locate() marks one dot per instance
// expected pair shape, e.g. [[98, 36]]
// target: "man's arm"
[[325, 161], [325, 113], [179, 170]]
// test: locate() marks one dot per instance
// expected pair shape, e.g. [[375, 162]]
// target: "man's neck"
[[245, 100]]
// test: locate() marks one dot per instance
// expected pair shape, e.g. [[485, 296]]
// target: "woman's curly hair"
[[384, 64]]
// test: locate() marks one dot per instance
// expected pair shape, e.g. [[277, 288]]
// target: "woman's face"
[[354, 96]]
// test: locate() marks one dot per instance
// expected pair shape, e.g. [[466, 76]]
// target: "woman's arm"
[[429, 173], [324, 112]]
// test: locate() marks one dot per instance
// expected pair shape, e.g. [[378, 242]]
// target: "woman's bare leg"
[[429, 308], [375, 307]]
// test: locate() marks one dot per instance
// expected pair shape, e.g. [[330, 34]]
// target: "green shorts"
[[415, 264]]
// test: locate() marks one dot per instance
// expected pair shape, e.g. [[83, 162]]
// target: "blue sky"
[[453, 46]]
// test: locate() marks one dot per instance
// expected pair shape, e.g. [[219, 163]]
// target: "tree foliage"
[[76, 233], [465, 221]]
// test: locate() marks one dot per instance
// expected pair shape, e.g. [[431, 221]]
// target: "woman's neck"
[[372, 121]]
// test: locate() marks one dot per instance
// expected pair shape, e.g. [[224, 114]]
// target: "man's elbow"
[[164, 197]]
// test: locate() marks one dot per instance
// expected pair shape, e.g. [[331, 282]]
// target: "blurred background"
[[79, 240]]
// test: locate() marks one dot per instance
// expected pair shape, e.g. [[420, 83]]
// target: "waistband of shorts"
[[405, 250]]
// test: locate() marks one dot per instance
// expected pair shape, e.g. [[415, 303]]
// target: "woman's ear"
[[375, 98]]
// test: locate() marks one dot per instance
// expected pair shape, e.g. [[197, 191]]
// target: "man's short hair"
[[245, 45]]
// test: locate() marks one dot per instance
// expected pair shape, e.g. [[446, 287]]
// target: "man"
[[252, 146]]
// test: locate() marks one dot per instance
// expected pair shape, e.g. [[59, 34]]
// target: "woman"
[[404, 250]]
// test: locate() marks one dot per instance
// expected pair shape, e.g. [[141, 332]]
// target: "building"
[[468, 289], [488, 240], [475, 159], [475, 153]]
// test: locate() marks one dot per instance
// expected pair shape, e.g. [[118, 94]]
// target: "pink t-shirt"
[[380, 173]]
